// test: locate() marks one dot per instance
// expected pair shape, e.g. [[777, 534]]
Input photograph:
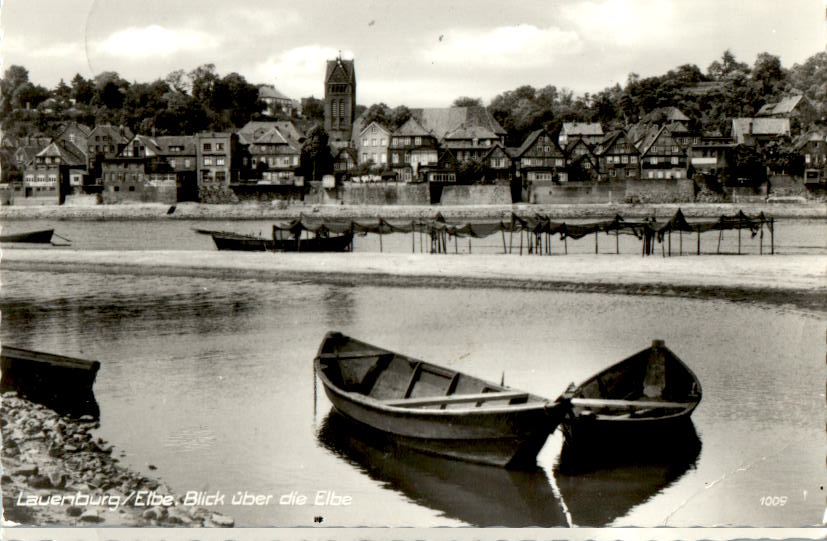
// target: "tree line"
[[189, 102]]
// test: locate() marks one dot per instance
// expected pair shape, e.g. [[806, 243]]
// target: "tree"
[[399, 115], [202, 83], [379, 113], [235, 99], [82, 90], [726, 67], [768, 74], [465, 101], [315, 158], [13, 78], [313, 109]]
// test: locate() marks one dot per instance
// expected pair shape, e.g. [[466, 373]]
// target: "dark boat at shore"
[[60, 382], [638, 401], [43, 236], [434, 409], [252, 243]]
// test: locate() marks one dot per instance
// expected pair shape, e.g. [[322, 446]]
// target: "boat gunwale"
[[539, 403], [657, 419]]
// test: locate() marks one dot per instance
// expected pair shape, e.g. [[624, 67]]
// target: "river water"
[[210, 380]]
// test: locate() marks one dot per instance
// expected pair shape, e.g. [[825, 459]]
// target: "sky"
[[420, 53]]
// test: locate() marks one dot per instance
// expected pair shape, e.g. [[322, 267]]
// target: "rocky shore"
[[282, 211], [56, 473]]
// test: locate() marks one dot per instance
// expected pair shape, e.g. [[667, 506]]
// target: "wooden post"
[[720, 234], [595, 242], [772, 236], [469, 245], [299, 241], [510, 237], [521, 241], [761, 239], [617, 241], [505, 249], [380, 236], [456, 244], [680, 242], [420, 240], [413, 239], [699, 240], [663, 248], [566, 243], [739, 235]]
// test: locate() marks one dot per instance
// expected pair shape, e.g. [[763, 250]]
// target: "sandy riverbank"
[[798, 280], [55, 472], [280, 211]]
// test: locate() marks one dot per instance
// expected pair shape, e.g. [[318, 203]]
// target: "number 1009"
[[773, 501]]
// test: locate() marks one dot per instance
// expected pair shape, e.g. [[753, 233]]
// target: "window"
[[612, 172], [116, 188], [660, 174], [365, 142], [651, 174], [373, 157], [677, 174], [373, 142], [219, 146], [383, 158], [629, 173], [417, 141], [220, 176], [624, 159], [207, 160], [653, 160], [172, 163], [364, 157], [587, 166], [373, 129], [383, 142], [674, 160], [219, 160], [675, 148], [295, 160], [558, 162], [187, 163], [395, 157], [633, 159], [207, 147], [132, 188]]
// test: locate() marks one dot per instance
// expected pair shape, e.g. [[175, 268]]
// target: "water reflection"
[[598, 487], [478, 495]]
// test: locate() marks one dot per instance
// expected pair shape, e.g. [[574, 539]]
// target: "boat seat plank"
[[453, 399], [609, 403], [360, 354]]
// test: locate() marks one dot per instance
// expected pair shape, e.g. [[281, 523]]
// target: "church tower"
[[339, 98]]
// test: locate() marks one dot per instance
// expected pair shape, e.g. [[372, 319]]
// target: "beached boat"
[[639, 400], [434, 409], [60, 382], [39, 237], [253, 243]]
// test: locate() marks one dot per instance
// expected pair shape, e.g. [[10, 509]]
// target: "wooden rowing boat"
[[43, 236], [60, 382], [254, 243], [639, 399], [433, 409]]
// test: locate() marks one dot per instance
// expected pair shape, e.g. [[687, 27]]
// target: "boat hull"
[[35, 237], [505, 428], [233, 242], [507, 440]]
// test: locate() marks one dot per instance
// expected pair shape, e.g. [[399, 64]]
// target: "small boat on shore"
[[434, 409], [60, 382], [636, 402], [253, 243], [43, 236]]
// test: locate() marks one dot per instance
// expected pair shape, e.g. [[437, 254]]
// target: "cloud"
[[296, 72], [519, 46], [629, 23], [154, 41]]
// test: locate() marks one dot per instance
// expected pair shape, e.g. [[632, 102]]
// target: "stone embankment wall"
[[660, 191], [388, 193], [167, 194], [476, 195]]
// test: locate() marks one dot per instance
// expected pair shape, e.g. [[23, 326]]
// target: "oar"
[[610, 403], [61, 238]]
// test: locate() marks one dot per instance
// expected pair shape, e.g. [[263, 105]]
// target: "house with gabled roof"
[[442, 120], [797, 108], [498, 164], [590, 132], [540, 159], [618, 157], [276, 102], [104, 141], [411, 147], [664, 115], [47, 177], [179, 152], [372, 144], [274, 157], [581, 161], [812, 146], [663, 157], [345, 161], [752, 131], [75, 133], [470, 143]]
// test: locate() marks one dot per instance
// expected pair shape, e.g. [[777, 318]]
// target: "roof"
[[270, 92], [784, 107], [441, 120], [669, 113], [346, 67], [272, 136], [253, 130], [411, 128], [471, 132], [494, 148], [120, 134], [649, 140], [148, 142], [529, 142], [350, 151], [583, 128], [760, 126], [67, 152], [812, 136], [373, 123], [610, 140], [167, 141]]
